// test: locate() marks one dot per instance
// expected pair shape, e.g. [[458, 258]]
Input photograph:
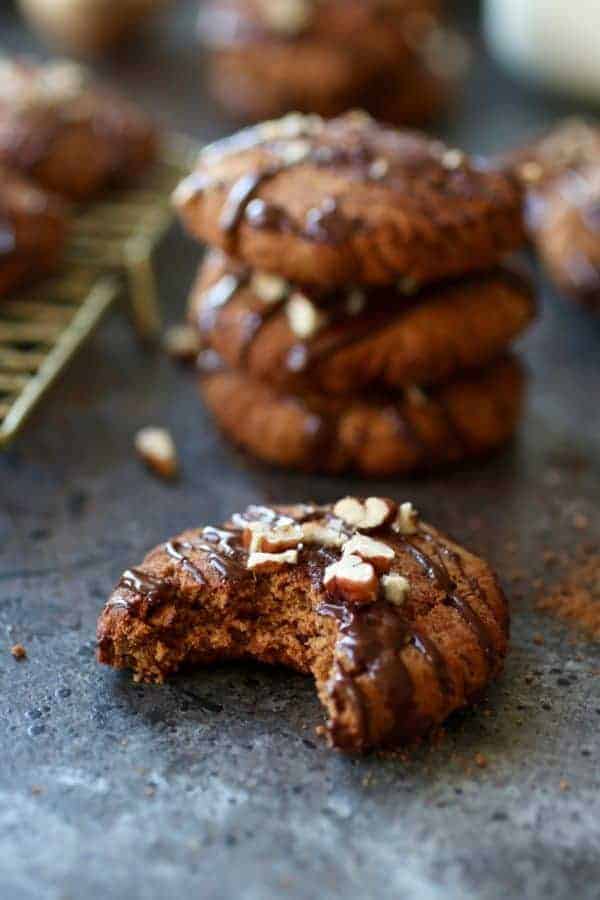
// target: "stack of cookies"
[[392, 57], [355, 310]]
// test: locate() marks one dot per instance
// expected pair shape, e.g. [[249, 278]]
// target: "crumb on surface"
[[577, 598], [481, 760], [18, 651]]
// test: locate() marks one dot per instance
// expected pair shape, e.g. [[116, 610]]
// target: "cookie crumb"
[[19, 651], [564, 785], [481, 760]]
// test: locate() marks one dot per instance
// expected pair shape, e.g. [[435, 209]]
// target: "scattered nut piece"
[[352, 578], [380, 555], [373, 513], [407, 520], [304, 317], [270, 288], [19, 651], [396, 588], [182, 343], [317, 533], [156, 448], [269, 562]]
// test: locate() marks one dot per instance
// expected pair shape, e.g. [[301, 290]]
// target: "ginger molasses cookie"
[[568, 237], [32, 231], [376, 433], [69, 135], [398, 624], [350, 201], [350, 338], [394, 59]]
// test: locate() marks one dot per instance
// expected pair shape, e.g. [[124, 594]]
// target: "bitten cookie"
[[348, 339], [376, 434], [67, 134], [398, 624], [32, 231], [350, 201]]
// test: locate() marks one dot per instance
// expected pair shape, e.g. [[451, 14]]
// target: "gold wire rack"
[[109, 255]]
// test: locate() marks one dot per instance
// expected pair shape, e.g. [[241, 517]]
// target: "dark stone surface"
[[215, 785]]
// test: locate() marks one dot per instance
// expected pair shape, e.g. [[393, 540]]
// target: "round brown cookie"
[[572, 145], [338, 341], [32, 231], [348, 200], [374, 434], [398, 624], [568, 238], [371, 32], [398, 63], [70, 136]]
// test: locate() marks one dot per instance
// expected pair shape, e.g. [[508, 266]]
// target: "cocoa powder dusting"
[[577, 598]]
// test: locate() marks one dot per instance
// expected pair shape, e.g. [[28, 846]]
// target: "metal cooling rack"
[[109, 255]]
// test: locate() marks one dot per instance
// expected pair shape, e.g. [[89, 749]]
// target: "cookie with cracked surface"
[[33, 229], [295, 337], [69, 135], [398, 624], [348, 200], [374, 433]]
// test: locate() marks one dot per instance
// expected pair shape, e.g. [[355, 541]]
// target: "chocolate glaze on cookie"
[[387, 668], [394, 335], [69, 135], [348, 200], [376, 432]]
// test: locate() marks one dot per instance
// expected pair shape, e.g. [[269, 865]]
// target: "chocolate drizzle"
[[371, 686]]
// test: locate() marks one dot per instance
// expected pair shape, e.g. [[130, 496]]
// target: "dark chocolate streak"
[[368, 656], [7, 234]]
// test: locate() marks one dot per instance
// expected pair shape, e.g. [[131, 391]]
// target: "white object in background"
[[553, 42]]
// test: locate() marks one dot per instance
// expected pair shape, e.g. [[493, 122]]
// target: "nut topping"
[[325, 535], [270, 288], [259, 536], [407, 520], [286, 16], [396, 588], [380, 555], [352, 578], [304, 317], [373, 513], [269, 562]]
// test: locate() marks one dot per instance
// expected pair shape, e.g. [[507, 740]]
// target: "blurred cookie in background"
[[394, 59], [87, 26], [68, 134], [561, 174], [32, 232]]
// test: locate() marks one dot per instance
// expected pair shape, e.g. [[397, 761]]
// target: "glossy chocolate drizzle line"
[[438, 573], [222, 557], [155, 591]]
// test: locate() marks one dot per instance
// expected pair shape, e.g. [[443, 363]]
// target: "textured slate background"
[[215, 785]]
